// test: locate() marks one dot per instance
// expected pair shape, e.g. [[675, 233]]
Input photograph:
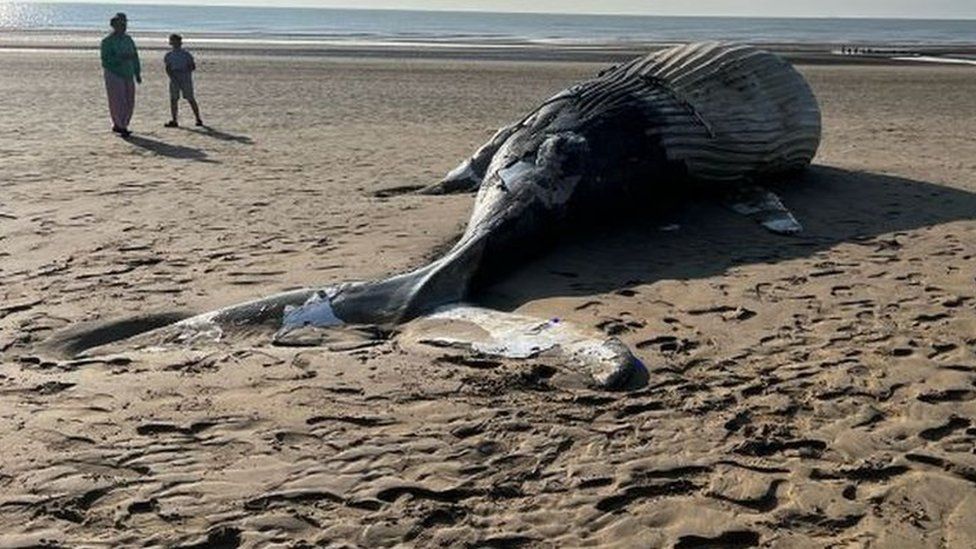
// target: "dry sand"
[[803, 392]]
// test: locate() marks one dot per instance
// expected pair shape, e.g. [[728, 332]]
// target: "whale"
[[723, 116]]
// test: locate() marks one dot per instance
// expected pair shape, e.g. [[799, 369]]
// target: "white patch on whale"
[[513, 175], [316, 311], [507, 335], [768, 209], [198, 329]]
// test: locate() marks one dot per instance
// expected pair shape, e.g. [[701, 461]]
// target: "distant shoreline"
[[403, 29], [464, 49]]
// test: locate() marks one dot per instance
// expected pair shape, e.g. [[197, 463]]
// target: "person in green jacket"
[[122, 71]]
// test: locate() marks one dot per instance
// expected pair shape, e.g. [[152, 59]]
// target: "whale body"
[[721, 115]]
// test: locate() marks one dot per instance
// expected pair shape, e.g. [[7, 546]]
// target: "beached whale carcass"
[[716, 114]]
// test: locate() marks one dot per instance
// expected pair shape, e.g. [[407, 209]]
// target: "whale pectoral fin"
[[766, 208], [462, 179], [467, 177]]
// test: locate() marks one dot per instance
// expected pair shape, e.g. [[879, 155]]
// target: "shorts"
[[181, 84]]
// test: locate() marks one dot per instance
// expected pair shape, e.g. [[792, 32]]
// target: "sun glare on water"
[[24, 16]]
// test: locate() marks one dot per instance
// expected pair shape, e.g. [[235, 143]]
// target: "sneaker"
[[116, 129], [172, 124], [199, 122], [124, 132]]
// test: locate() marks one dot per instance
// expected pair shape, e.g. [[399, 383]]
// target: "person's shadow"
[[220, 135], [706, 239], [169, 150]]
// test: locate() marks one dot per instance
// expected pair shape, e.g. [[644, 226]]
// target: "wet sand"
[[803, 392]]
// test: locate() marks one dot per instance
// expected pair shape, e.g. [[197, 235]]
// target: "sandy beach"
[[807, 391]]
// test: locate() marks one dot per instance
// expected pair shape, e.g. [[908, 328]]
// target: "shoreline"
[[472, 49]]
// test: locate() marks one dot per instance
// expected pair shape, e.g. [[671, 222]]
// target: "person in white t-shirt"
[[180, 67]]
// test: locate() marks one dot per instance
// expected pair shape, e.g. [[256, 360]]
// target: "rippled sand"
[[803, 391]]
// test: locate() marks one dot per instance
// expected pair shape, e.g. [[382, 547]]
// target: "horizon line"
[[500, 12]]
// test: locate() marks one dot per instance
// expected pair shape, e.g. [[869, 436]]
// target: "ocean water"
[[353, 24]]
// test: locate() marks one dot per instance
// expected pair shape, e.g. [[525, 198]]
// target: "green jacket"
[[119, 56]]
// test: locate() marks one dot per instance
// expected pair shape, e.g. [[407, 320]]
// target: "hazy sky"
[[949, 9]]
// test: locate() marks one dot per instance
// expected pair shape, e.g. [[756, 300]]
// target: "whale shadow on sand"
[[701, 238]]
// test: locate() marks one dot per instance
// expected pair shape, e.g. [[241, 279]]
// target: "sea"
[[306, 24]]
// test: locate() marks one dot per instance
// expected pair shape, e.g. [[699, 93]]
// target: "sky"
[[944, 9]]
